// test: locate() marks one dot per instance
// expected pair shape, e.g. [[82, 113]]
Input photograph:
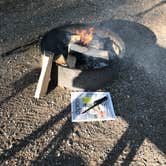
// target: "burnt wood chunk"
[[89, 51]]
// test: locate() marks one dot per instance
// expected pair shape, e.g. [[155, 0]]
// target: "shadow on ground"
[[141, 14], [19, 85], [138, 95], [64, 159]]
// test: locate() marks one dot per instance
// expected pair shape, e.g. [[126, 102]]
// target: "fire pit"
[[86, 57]]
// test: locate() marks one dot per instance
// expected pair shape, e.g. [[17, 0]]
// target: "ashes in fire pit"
[[79, 51]]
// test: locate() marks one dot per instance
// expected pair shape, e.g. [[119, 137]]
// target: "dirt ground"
[[40, 132]]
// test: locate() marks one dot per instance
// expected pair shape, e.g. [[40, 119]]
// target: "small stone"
[[69, 142], [58, 154], [74, 134], [91, 151], [52, 102], [131, 78]]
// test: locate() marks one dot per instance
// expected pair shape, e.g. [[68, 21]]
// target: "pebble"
[[74, 134], [69, 142], [91, 151], [52, 102], [128, 96], [6, 162], [58, 154]]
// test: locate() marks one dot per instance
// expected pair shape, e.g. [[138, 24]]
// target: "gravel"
[[40, 132]]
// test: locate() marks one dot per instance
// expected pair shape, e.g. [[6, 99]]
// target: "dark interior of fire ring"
[[93, 75]]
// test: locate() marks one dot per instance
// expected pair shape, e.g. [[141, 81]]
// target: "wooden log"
[[44, 78], [75, 38], [89, 51]]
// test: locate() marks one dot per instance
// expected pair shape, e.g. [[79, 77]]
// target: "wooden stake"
[[44, 78]]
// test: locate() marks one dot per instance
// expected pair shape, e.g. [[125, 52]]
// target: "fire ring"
[[86, 56]]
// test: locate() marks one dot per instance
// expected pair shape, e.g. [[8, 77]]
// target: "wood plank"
[[44, 78], [89, 51]]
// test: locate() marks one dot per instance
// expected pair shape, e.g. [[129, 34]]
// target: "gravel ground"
[[40, 132], [23, 21]]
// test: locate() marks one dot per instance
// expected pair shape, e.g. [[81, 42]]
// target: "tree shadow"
[[142, 105], [141, 14], [21, 84], [54, 78], [140, 90], [63, 159], [67, 128], [7, 154], [47, 156]]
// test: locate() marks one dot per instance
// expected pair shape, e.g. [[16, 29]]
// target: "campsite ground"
[[40, 132]]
